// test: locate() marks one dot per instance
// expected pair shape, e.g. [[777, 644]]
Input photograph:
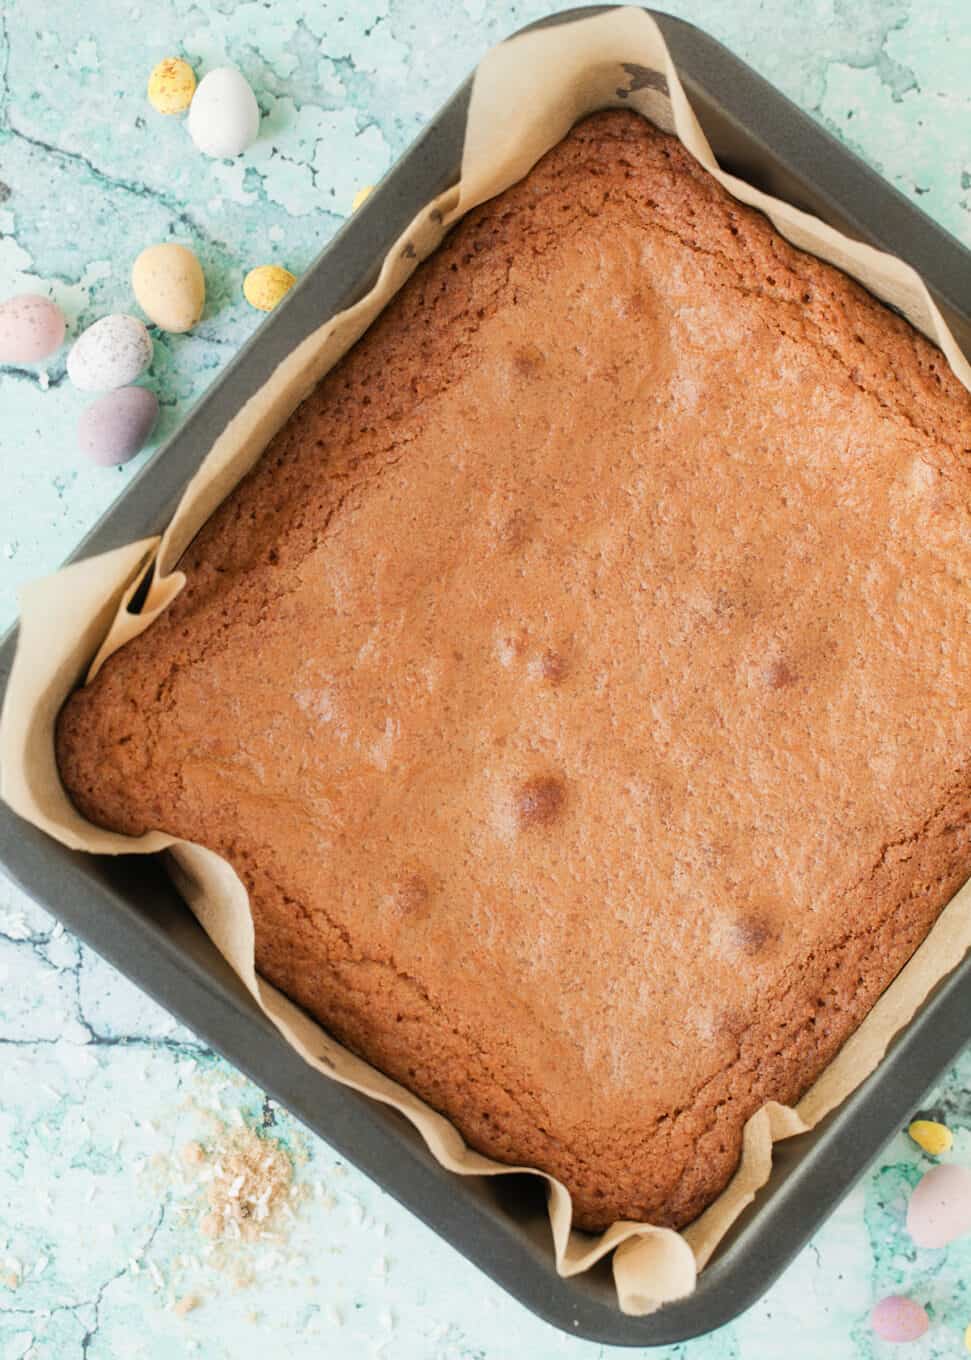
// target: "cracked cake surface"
[[580, 682]]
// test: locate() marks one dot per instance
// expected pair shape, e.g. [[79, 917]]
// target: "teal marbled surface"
[[99, 1089]]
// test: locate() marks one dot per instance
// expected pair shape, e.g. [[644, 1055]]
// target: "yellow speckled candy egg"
[[266, 285], [170, 287], [171, 86], [933, 1137]]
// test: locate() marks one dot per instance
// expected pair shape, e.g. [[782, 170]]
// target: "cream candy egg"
[[224, 118], [113, 428], [168, 282], [109, 354], [940, 1207], [31, 328]]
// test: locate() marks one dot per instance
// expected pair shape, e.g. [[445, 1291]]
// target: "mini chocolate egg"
[[940, 1207], [168, 282], [224, 118], [266, 285], [113, 429], [109, 354], [31, 328], [899, 1319], [171, 86]]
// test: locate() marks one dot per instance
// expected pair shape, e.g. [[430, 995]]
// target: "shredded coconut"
[[251, 1179]]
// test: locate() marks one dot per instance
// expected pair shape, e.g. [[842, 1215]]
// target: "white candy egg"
[[109, 354], [224, 118]]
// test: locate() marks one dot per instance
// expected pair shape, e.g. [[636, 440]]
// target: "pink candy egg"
[[31, 328], [899, 1319], [113, 428], [940, 1207]]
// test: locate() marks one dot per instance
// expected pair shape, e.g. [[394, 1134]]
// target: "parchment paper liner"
[[527, 94]]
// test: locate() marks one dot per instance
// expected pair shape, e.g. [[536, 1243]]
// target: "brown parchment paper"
[[527, 94]]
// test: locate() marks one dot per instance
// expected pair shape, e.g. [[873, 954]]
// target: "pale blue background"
[[95, 1081]]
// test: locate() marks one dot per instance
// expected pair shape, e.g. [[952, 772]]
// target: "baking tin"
[[127, 910]]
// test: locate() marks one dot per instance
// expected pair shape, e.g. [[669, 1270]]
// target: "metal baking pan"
[[127, 910]]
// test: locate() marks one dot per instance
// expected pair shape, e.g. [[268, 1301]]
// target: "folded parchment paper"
[[526, 96]]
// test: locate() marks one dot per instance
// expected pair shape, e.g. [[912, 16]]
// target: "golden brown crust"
[[580, 682]]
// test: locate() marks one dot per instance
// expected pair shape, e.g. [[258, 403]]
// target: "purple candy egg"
[[31, 328], [899, 1319], [113, 428]]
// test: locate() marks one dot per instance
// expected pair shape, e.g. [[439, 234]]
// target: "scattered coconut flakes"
[[14, 923], [57, 931], [250, 1180], [156, 1274], [187, 1304], [334, 1315], [193, 1154], [236, 1118], [41, 1264]]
